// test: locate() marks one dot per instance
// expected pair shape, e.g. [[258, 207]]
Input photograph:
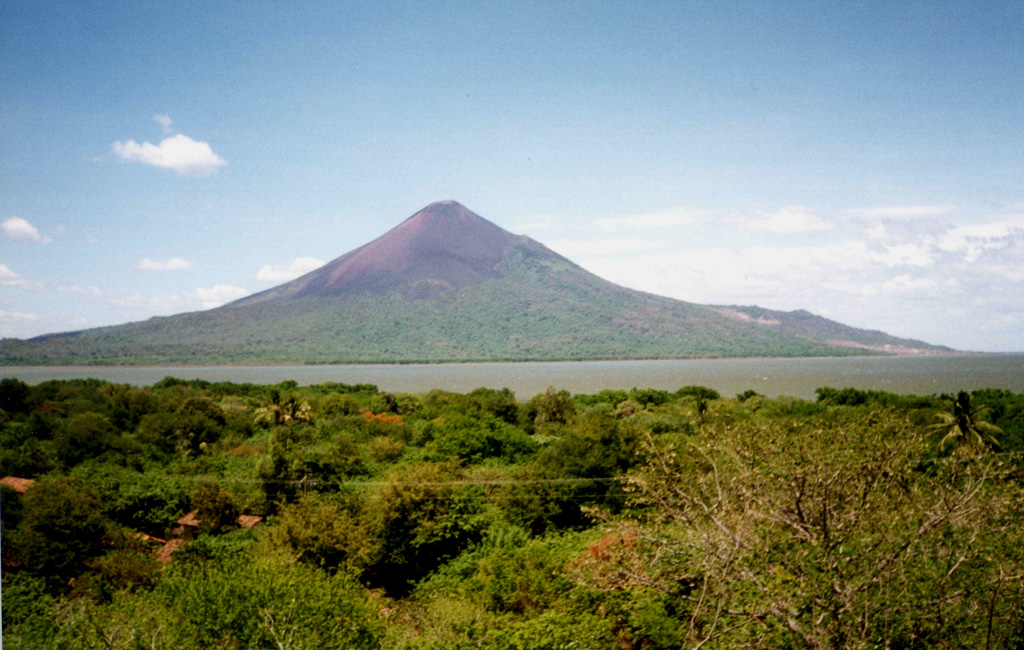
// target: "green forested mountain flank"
[[446, 285]]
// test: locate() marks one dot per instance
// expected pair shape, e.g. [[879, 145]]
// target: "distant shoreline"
[[772, 376], [314, 364]]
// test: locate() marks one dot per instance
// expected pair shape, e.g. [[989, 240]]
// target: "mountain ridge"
[[441, 247], [448, 285]]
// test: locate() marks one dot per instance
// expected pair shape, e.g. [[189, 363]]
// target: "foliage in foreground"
[[824, 534], [623, 519]]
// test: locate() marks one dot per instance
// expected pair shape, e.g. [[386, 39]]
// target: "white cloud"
[[21, 230], [665, 219], [906, 284], [1012, 272], [790, 220], [534, 223], [877, 231], [902, 282], [219, 294], [583, 248], [178, 152], [9, 278], [92, 292], [17, 316], [284, 272], [905, 255], [808, 277], [144, 305], [904, 211], [973, 239], [709, 276], [26, 324], [136, 305], [172, 264], [164, 121]]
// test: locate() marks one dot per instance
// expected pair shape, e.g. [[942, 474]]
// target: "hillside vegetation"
[[448, 285], [529, 317], [622, 519]]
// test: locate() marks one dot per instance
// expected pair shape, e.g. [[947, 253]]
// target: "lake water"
[[796, 377]]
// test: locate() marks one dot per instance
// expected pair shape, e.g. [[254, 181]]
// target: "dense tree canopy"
[[629, 519]]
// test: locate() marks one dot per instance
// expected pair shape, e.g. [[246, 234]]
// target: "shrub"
[[823, 532], [554, 630], [386, 450], [474, 439], [62, 528], [325, 533], [265, 603], [422, 518], [215, 508], [335, 404]]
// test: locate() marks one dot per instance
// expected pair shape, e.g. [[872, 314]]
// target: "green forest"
[[541, 310], [192, 514]]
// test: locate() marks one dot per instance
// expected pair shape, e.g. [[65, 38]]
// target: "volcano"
[[442, 247], [448, 285]]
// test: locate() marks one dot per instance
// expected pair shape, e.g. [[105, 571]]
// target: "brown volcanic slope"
[[442, 247], [448, 285]]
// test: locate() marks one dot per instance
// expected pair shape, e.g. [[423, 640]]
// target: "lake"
[[922, 375]]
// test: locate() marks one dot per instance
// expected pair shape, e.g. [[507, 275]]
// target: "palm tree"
[[964, 428], [272, 413], [297, 410], [288, 410]]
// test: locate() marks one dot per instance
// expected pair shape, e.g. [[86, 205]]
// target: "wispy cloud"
[[973, 239], [275, 273], [219, 294], [585, 248], [129, 305], [790, 220], [534, 223], [910, 286], [172, 264], [903, 211], [165, 122], [141, 305], [906, 255], [17, 316], [664, 219], [905, 283], [9, 278], [757, 273], [178, 152], [92, 292], [21, 230]]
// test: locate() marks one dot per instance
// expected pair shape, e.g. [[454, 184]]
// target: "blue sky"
[[861, 160]]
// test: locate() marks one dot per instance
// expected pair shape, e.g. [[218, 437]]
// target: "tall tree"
[[62, 528], [964, 428]]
